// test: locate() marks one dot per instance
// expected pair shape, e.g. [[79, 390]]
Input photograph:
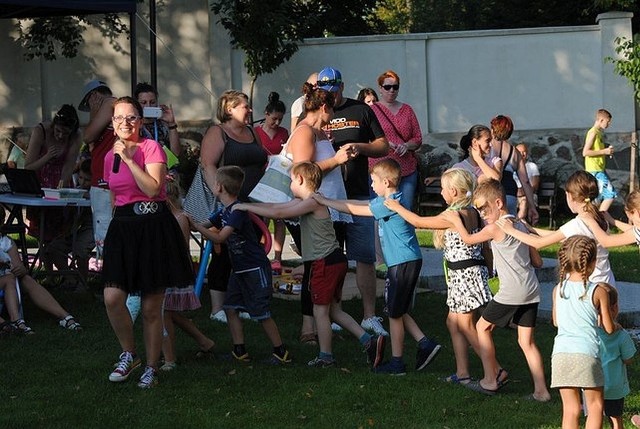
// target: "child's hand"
[[392, 204], [320, 199], [239, 206], [506, 225]]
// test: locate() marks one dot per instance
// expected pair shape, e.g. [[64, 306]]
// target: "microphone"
[[116, 163]]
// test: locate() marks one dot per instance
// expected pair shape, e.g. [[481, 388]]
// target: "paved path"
[[432, 278]]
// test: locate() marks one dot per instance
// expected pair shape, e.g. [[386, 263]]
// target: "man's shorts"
[[250, 290], [502, 314], [326, 278], [401, 287], [606, 190]]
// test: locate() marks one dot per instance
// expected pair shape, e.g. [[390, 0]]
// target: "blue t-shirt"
[[245, 250], [614, 349], [397, 236]]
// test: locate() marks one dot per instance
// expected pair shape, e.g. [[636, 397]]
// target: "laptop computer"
[[24, 182]]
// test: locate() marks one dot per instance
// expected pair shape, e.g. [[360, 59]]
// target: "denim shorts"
[[606, 190], [359, 237], [250, 290]]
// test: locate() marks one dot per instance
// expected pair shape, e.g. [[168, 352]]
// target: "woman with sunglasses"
[[144, 250], [52, 152], [402, 130]]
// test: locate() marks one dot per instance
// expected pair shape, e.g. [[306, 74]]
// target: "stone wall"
[[557, 152]]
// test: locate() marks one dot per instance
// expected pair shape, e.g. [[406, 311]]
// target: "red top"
[[273, 145]]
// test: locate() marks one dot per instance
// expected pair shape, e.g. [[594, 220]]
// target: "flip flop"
[[454, 379], [477, 387], [504, 381]]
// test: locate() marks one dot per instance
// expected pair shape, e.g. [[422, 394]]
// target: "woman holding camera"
[[159, 125]]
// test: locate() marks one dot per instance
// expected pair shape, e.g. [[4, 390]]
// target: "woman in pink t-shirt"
[[273, 137], [144, 251]]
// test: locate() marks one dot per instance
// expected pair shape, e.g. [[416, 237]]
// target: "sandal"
[[6, 329], [454, 379], [70, 323], [20, 327], [309, 339], [501, 382]]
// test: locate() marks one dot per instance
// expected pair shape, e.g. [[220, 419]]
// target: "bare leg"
[[43, 299], [460, 346], [571, 408], [396, 331], [366, 282], [345, 320], [412, 327], [594, 398], [152, 326], [205, 343], [279, 232], [323, 324], [119, 317], [8, 284], [487, 352], [169, 340], [235, 326], [271, 329], [217, 299], [534, 360]]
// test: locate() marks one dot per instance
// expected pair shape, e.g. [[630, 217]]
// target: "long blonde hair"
[[465, 183]]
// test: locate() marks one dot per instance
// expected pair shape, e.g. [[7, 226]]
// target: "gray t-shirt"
[[518, 282]]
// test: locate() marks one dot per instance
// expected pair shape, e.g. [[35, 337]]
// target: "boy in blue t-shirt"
[[250, 283], [404, 261], [616, 351]]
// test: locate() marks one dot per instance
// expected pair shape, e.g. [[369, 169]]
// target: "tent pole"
[[134, 53], [153, 60]]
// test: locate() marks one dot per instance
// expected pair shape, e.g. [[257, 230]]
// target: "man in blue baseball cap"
[[355, 124]]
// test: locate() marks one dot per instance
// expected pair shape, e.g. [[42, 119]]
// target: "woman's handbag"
[[199, 201], [275, 184]]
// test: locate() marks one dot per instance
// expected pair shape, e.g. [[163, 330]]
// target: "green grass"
[[58, 378]]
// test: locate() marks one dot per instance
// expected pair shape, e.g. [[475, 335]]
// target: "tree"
[[51, 37], [268, 33], [629, 65]]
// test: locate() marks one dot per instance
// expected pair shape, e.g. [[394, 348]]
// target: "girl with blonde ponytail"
[[465, 265]]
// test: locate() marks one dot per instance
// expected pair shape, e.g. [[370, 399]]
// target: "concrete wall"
[[544, 78]]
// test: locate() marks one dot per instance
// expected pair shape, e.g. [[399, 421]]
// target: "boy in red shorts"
[[329, 264]]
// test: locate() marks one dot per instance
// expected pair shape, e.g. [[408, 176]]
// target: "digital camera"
[[152, 112]]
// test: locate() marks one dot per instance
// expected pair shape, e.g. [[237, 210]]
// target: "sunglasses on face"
[[331, 82], [130, 119], [390, 87]]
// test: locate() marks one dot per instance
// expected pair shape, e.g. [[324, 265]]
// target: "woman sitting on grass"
[[12, 268]]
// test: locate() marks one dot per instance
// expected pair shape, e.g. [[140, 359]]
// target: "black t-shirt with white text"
[[355, 122]]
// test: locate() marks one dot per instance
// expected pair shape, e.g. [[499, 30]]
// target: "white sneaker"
[[220, 316], [335, 327], [244, 315], [373, 324]]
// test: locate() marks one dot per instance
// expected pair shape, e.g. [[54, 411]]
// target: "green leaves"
[[628, 65]]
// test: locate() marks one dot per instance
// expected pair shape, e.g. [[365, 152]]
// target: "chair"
[[430, 197], [547, 199]]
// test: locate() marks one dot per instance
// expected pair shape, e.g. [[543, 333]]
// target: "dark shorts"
[[250, 290], [326, 278], [502, 314], [613, 407], [402, 280]]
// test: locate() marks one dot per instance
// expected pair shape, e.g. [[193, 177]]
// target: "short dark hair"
[[230, 177]]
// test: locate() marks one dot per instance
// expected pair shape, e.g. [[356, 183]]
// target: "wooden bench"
[[429, 197]]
